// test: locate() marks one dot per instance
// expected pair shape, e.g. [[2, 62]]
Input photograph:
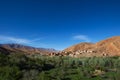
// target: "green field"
[[35, 67]]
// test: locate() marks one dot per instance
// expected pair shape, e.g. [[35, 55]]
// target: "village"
[[76, 53]]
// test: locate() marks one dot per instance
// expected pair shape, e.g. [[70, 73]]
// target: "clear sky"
[[58, 23]]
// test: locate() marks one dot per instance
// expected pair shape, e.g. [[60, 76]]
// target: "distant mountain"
[[25, 49], [5, 51], [110, 47]]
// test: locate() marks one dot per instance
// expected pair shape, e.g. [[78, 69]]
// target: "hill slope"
[[110, 46], [80, 46]]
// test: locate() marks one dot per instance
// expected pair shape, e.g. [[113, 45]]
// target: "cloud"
[[36, 42], [8, 39], [81, 38]]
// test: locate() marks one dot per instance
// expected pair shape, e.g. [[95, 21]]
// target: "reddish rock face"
[[110, 46], [81, 46]]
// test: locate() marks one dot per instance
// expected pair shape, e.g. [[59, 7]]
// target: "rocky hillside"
[[110, 47], [81, 46]]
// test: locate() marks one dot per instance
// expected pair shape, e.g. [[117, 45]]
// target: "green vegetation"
[[35, 67]]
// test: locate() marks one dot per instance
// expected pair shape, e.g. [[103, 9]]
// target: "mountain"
[[107, 47], [7, 48], [80, 46], [110, 47], [5, 51]]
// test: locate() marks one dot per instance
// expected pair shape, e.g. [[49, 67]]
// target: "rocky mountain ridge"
[[108, 47]]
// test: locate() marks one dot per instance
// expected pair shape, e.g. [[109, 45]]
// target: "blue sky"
[[58, 23]]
